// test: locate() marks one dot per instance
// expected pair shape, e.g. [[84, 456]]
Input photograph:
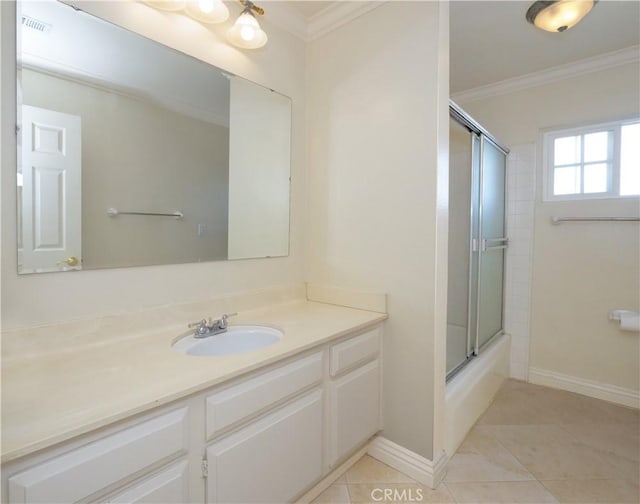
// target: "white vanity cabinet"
[[267, 436], [276, 450], [354, 393], [101, 465], [273, 459]]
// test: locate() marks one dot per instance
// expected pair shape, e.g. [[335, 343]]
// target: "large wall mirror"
[[131, 153]]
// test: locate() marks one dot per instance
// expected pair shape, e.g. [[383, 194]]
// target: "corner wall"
[[581, 271], [378, 119], [31, 300]]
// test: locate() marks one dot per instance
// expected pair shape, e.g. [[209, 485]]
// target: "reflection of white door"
[[51, 192]]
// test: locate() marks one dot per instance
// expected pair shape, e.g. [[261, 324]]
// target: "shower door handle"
[[502, 243]]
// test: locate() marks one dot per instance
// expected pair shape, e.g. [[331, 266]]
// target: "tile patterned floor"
[[533, 445]]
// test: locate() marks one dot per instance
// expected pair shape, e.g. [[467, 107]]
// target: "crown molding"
[[328, 19], [550, 75], [337, 14], [286, 18]]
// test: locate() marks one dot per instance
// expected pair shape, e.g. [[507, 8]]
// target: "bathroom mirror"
[[131, 153]]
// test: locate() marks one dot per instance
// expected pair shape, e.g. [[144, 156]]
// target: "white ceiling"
[[491, 41], [309, 8]]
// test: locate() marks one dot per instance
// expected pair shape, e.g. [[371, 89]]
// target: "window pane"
[[595, 178], [566, 150], [566, 180], [630, 160], [596, 147]]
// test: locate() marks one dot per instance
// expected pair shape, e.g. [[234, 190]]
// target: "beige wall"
[[377, 105], [580, 271], [46, 298], [142, 157]]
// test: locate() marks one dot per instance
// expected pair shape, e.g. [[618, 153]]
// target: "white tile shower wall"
[[521, 193]]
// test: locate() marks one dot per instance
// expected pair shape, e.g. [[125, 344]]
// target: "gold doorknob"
[[72, 261]]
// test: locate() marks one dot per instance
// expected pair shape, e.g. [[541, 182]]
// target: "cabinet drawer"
[[251, 396], [355, 351], [93, 467], [271, 460], [169, 486]]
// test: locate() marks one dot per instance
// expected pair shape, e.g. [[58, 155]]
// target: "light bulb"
[[206, 6], [207, 11], [248, 27], [246, 32]]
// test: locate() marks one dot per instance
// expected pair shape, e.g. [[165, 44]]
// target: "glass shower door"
[[477, 241], [492, 243], [463, 151]]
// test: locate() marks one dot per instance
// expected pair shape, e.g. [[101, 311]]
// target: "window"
[[600, 161]]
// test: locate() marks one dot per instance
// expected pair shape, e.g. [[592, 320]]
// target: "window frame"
[[613, 173]]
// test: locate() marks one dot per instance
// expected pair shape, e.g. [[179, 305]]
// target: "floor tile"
[[521, 403], [335, 494], [398, 493], [594, 491], [619, 414], [510, 492], [619, 439], [549, 452], [578, 409], [482, 458], [370, 470], [518, 403]]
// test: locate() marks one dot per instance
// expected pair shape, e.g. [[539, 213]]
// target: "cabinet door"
[[273, 459], [355, 409], [169, 486]]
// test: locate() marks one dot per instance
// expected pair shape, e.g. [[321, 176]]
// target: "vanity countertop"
[[55, 396]]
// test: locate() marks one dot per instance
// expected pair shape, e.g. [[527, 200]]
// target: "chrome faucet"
[[211, 328]]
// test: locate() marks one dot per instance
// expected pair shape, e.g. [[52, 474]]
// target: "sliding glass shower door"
[[492, 244], [477, 241]]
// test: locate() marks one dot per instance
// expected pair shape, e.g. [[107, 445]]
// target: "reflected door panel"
[[51, 191]]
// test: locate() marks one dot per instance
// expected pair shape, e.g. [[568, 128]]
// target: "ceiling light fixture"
[[246, 32], [558, 15]]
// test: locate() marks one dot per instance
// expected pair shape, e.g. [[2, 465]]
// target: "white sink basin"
[[237, 339]]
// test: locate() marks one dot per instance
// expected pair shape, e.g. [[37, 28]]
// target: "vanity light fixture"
[[558, 15], [205, 11], [246, 32]]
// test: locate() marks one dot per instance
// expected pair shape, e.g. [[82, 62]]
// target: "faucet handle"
[[223, 319], [201, 325]]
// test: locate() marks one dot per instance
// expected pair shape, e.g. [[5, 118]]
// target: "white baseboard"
[[611, 393], [428, 472]]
